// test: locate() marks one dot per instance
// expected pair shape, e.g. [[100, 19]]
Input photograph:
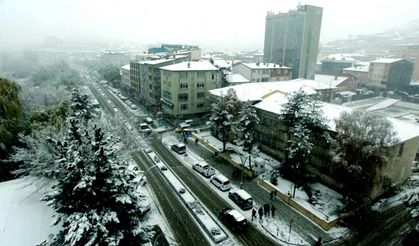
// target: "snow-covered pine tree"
[[95, 196], [304, 122], [222, 119], [359, 149], [248, 121], [80, 106]]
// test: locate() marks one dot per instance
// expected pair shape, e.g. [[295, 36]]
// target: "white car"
[[204, 169]]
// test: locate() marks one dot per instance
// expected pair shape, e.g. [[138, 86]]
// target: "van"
[[241, 198], [204, 169], [221, 182], [179, 148]]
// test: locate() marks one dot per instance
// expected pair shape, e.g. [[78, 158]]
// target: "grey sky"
[[221, 24]]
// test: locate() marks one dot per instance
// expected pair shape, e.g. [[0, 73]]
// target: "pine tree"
[[304, 123], [222, 116], [95, 196], [80, 106], [248, 121]]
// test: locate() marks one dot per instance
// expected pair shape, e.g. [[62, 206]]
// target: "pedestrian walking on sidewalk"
[[271, 195], [253, 213], [318, 242], [196, 140], [260, 213], [273, 210], [266, 209]]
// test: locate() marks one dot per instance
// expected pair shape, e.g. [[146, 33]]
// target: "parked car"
[[241, 198], [233, 219], [148, 120], [204, 169], [221, 182], [144, 128], [179, 148]]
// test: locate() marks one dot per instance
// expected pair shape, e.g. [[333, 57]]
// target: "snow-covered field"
[[24, 219]]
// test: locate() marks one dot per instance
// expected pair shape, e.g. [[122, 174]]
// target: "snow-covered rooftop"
[[126, 67], [24, 219], [274, 103], [387, 60], [237, 216], [358, 68], [333, 81], [236, 78], [243, 194], [158, 61], [191, 66], [262, 65], [255, 91], [340, 58], [222, 63]]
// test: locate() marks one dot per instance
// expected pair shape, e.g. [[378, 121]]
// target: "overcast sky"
[[221, 24]]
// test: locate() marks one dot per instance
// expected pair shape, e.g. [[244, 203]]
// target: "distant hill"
[[379, 43]]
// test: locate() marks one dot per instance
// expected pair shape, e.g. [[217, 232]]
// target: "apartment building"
[[263, 72], [390, 73], [185, 87], [146, 81]]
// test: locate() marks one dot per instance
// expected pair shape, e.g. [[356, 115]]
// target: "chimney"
[[189, 65]]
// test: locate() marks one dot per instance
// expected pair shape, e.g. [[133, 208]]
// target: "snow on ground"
[[327, 201], [268, 227], [24, 219]]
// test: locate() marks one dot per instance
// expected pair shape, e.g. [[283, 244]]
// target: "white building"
[[263, 72], [125, 76]]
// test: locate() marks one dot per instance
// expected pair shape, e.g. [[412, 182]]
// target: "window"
[[183, 97], [200, 85], [200, 105], [183, 75], [401, 149], [201, 74], [200, 95], [184, 106], [183, 85]]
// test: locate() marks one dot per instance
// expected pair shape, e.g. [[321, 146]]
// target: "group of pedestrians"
[[264, 210]]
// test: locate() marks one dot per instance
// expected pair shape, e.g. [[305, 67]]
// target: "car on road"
[[145, 128], [221, 182], [241, 198], [148, 120], [233, 219], [179, 148], [204, 169]]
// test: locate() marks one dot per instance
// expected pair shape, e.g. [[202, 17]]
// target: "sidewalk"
[[302, 225]]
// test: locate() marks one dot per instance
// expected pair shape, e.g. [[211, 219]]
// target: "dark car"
[[233, 219], [241, 198]]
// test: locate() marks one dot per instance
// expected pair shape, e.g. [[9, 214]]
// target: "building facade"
[[146, 81], [292, 39], [185, 87], [390, 73], [263, 72], [397, 170], [125, 76]]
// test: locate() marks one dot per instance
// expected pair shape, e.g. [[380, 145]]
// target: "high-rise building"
[[292, 39]]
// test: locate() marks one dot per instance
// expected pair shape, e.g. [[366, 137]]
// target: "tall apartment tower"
[[292, 39]]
